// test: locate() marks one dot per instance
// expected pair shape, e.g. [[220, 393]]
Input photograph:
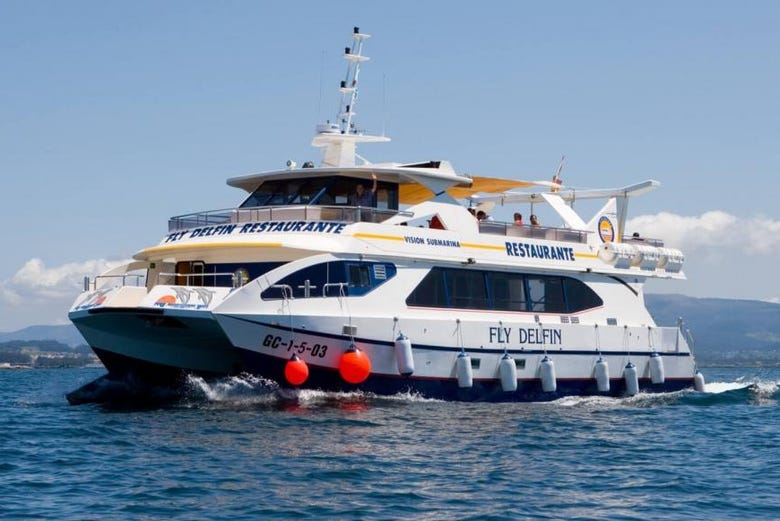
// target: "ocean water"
[[239, 449]]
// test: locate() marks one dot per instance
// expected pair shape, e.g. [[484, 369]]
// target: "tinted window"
[[507, 291], [466, 289], [332, 190], [430, 291], [331, 279], [545, 294], [197, 273], [502, 291], [579, 296]]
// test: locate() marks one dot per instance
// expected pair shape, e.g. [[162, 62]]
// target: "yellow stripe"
[[482, 246], [225, 245], [376, 236], [586, 256]]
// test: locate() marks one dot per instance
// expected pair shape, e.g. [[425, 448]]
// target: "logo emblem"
[[606, 230]]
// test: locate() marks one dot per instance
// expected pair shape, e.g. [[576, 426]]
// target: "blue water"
[[237, 450]]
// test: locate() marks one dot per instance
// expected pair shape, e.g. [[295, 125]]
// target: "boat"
[[379, 277]]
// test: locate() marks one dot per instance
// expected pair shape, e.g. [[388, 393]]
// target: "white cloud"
[[712, 233], [40, 295], [35, 280]]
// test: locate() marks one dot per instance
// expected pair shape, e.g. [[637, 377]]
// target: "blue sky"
[[115, 116]]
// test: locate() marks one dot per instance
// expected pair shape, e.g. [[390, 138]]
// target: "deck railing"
[[347, 214], [631, 239], [533, 232]]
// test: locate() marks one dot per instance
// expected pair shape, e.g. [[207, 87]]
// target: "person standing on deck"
[[362, 197]]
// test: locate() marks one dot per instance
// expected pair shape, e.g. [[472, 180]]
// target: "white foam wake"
[[722, 387], [243, 387]]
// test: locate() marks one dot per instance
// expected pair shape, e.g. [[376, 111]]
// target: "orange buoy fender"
[[354, 365], [296, 371]]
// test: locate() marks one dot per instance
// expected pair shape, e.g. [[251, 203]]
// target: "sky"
[[115, 116]]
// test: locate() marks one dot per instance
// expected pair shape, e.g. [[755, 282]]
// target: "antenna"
[[339, 139], [349, 87]]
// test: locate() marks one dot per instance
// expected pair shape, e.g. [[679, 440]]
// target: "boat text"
[[539, 251], [261, 227], [411, 239], [541, 335], [275, 342]]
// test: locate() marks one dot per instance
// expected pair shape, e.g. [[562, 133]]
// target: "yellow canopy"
[[417, 193]]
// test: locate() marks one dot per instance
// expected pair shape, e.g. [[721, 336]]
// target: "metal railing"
[[347, 214], [533, 232], [631, 239], [92, 284], [189, 277]]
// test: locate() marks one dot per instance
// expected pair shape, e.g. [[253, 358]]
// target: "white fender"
[[601, 373], [657, 375], [547, 374], [403, 355], [632, 379], [507, 370], [463, 370]]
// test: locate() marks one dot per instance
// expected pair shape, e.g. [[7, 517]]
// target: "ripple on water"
[[240, 449]]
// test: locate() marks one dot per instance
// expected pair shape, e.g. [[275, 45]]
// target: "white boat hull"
[[266, 343]]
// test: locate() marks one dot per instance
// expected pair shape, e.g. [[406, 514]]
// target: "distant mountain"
[[66, 334], [724, 330]]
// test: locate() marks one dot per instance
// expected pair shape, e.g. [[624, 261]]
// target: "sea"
[[239, 448]]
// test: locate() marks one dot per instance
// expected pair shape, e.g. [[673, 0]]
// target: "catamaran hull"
[[265, 349], [157, 346], [489, 390]]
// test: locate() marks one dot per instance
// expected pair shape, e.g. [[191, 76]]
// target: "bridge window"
[[325, 191]]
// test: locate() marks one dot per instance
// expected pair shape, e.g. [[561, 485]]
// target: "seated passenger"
[[518, 219], [482, 216], [534, 221]]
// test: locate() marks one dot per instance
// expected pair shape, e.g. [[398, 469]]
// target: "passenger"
[[481, 216], [362, 197], [636, 237], [518, 219], [534, 221], [472, 211]]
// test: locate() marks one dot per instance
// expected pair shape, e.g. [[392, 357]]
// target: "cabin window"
[[331, 279], [579, 296], [359, 276], [507, 291], [430, 292], [190, 273], [502, 291], [545, 294], [229, 275], [466, 289]]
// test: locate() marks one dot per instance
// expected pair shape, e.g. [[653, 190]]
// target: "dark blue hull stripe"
[[473, 350], [483, 390]]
